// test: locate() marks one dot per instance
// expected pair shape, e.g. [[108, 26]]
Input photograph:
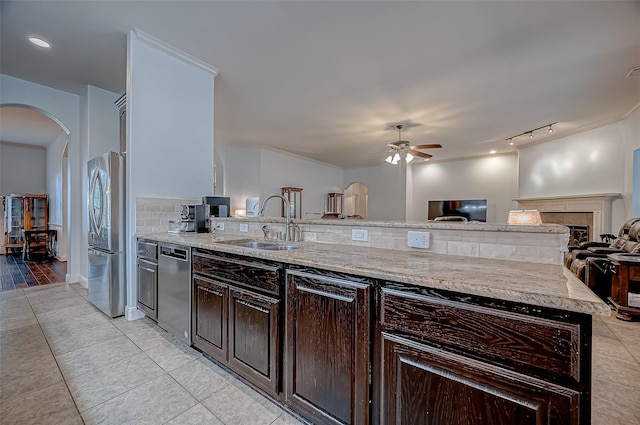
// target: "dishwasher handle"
[[176, 253]]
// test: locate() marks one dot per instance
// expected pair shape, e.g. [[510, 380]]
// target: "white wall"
[[491, 178], [250, 172], [631, 130], [103, 122], [590, 162], [242, 174], [170, 130], [386, 189], [63, 108], [22, 169], [279, 170], [54, 177], [55, 180]]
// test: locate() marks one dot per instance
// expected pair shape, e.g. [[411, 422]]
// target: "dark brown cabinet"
[[236, 315], [328, 346], [445, 358], [209, 317], [424, 385], [254, 337]]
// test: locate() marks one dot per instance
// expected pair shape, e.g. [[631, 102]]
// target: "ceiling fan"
[[402, 149]]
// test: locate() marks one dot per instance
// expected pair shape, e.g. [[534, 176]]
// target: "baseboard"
[[132, 313], [62, 258], [70, 278]]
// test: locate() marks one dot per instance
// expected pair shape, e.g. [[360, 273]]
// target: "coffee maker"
[[195, 218]]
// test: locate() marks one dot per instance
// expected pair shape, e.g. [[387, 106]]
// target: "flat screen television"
[[471, 209]]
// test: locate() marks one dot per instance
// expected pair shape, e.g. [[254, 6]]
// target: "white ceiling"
[[328, 80]]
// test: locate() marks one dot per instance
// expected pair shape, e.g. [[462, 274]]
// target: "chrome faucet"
[[287, 210]]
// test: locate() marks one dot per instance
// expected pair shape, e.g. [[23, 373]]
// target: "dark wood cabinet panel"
[[209, 317], [328, 348], [254, 338], [424, 385], [250, 273], [237, 315], [547, 347]]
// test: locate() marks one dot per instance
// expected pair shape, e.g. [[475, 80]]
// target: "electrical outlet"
[[360, 235], [244, 227], [219, 226], [417, 239]]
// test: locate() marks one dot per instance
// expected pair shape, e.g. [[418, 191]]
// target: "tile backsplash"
[[544, 244], [541, 246], [153, 214]]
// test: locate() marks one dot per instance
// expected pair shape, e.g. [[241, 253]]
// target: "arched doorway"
[[27, 125], [356, 200]]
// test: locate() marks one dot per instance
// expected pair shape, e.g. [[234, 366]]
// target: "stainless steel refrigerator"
[[106, 201]]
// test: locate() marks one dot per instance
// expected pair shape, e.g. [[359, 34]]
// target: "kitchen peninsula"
[[354, 334]]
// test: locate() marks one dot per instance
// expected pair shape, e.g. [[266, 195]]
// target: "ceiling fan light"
[[396, 158], [389, 160], [409, 157]]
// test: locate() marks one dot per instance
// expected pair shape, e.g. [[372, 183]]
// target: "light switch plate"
[[417, 239], [360, 235], [244, 227]]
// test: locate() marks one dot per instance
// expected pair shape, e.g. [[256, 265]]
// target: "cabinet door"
[[147, 277], [209, 317], [253, 338], [424, 385], [328, 335]]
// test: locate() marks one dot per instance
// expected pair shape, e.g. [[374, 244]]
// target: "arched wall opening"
[[57, 176]]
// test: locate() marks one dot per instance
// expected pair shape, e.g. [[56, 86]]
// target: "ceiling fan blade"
[[420, 154], [432, 146]]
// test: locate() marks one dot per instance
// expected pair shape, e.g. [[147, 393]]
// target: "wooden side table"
[[625, 285]]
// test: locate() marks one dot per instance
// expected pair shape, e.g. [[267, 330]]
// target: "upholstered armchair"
[[591, 264], [592, 248]]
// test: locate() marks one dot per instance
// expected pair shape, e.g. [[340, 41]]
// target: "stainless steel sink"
[[272, 246]]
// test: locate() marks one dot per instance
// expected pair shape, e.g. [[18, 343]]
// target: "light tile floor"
[[63, 362]]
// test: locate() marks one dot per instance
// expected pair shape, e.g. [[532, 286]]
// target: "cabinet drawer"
[[504, 338], [147, 250], [634, 273], [252, 274]]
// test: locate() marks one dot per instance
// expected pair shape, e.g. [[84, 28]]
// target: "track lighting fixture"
[[511, 139]]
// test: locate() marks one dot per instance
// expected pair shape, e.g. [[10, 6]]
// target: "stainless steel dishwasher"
[[174, 290]]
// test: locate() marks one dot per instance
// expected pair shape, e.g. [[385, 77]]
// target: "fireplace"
[[578, 211], [578, 234]]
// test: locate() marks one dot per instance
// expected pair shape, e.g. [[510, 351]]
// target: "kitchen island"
[[347, 334]]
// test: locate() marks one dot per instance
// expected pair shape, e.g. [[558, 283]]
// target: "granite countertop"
[[542, 285]]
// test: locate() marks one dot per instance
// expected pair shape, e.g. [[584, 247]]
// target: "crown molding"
[[173, 51]]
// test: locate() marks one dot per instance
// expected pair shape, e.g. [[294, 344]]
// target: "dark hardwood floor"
[[17, 273]]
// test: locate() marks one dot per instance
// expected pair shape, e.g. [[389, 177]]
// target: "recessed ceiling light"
[[492, 151], [40, 42]]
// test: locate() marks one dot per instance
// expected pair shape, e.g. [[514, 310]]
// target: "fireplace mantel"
[[600, 204]]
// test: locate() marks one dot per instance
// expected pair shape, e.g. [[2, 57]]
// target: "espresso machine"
[[195, 218]]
